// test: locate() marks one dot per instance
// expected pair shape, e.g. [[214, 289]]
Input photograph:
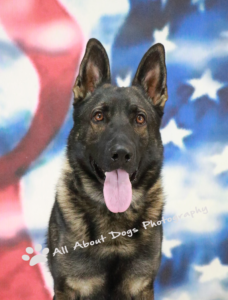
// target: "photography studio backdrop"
[[41, 44]]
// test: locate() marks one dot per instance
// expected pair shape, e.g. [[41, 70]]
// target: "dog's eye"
[[140, 119], [99, 116]]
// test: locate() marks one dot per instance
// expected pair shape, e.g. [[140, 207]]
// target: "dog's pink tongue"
[[117, 191]]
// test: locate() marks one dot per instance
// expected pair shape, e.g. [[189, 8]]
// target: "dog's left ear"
[[151, 75], [94, 70]]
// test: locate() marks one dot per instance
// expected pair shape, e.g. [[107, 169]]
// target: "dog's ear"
[[94, 70], [151, 75]]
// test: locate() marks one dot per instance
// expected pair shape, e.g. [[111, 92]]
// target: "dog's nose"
[[121, 154]]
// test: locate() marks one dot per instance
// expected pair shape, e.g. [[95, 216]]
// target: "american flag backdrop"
[[41, 44]]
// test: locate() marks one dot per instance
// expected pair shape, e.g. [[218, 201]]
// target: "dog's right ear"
[[94, 70]]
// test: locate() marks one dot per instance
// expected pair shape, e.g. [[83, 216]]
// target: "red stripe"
[[56, 73]]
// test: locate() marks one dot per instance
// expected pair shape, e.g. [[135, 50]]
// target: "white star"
[[125, 81], [215, 270], [168, 245], [221, 161], [171, 133], [161, 36], [205, 86], [200, 3]]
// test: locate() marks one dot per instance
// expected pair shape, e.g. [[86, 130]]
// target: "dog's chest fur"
[[131, 259]]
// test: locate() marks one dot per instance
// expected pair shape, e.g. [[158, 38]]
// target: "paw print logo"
[[36, 258]]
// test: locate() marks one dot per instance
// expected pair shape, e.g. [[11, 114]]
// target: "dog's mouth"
[[117, 187], [100, 173]]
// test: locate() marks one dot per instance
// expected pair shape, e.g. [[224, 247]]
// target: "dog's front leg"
[[65, 296], [61, 296], [120, 296]]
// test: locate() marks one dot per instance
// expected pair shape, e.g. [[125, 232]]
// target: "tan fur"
[[136, 285], [155, 209], [64, 199], [79, 92], [163, 98], [90, 189], [106, 85], [68, 294], [125, 245], [85, 286], [137, 279]]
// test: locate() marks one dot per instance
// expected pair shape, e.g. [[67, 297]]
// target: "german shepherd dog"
[[110, 183]]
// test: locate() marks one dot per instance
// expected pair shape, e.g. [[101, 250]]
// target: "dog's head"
[[116, 138]]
